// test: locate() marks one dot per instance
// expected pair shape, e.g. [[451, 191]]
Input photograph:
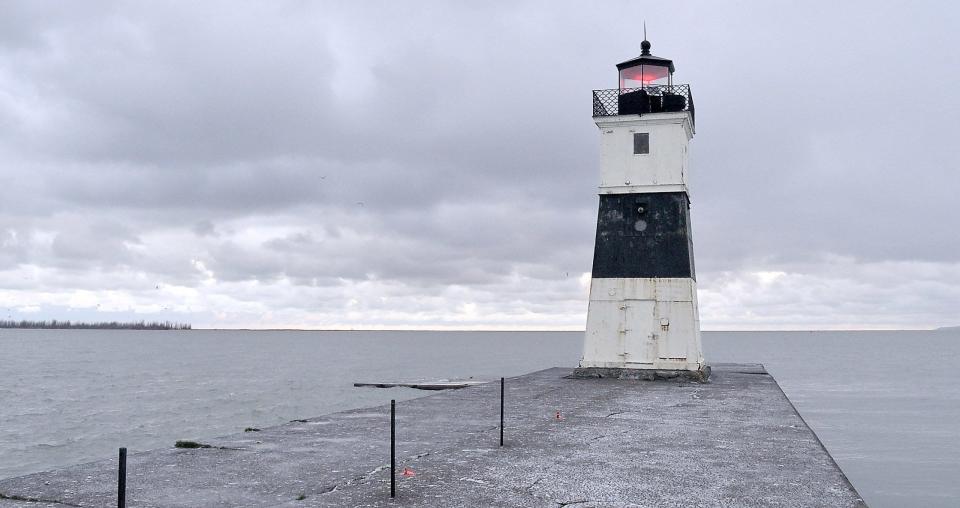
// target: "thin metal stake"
[[122, 480], [393, 448], [501, 411]]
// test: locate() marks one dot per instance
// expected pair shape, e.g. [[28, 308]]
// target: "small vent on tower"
[[641, 143]]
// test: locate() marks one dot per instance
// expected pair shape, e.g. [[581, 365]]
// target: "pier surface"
[[736, 441]]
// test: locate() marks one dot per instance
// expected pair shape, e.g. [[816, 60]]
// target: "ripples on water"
[[70, 396]]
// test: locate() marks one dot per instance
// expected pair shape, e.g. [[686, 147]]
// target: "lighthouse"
[[642, 320]]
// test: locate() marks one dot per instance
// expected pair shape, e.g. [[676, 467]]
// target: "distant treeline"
[[105, 325]]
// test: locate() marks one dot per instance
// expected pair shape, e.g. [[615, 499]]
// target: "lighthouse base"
[[690, 376]]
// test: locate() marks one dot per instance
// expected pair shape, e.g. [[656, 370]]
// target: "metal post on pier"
[[393, 448], [122, 480], [501, 411]]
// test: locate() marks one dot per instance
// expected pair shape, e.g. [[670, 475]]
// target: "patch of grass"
[[190, 444], [251, 429], [301, 497]]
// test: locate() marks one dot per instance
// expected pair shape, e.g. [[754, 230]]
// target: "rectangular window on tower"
[[641, 143]]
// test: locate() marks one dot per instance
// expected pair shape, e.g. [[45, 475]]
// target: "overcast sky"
[[434, 165]]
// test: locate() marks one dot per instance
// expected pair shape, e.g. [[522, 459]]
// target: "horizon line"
[[514, 330]]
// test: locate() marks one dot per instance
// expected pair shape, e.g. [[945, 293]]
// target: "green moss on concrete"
[[190, 444]]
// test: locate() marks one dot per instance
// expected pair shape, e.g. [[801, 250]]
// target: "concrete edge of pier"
[[734, 441]]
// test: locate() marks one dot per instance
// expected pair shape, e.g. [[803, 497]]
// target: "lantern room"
[[646, 86], [645, 70]]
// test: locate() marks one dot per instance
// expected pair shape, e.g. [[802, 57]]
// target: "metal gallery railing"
[[639, 101]]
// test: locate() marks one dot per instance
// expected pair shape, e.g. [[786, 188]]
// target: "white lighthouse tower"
[[642, 321]]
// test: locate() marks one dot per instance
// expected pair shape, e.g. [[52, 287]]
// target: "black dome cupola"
[[645, 70]]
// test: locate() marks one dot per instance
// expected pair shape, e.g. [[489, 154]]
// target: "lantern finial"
[[645, 45]]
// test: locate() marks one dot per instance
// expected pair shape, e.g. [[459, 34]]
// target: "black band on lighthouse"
[[644, 236]]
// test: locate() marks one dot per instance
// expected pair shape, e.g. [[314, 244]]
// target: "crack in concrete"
[[545, 392], [360, 479], [530, 487], [569, 503], [528, 490], [481, 431], [33, 499]]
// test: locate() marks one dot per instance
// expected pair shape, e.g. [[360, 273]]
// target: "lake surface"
[[886, 404]]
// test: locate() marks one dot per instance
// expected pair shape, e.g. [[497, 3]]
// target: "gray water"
[[886, 404]]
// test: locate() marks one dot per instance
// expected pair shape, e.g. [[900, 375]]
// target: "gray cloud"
[[288, 163]]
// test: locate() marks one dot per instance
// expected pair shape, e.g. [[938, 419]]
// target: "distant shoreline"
[[103, 325], [67, 325]]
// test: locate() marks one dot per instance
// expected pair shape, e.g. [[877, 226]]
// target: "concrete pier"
[[735, 441]]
